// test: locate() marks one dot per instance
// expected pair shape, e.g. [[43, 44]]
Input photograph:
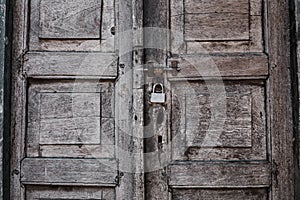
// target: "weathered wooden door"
[[218, 136], [83, 126], [71, 110]]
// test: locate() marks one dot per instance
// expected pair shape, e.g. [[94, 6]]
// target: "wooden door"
[[79, 116], [221, 137], [71, 114]]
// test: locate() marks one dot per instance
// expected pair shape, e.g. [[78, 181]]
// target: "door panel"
[[242, 135], [219, 140], [70, 119], [72, 25], [216, 26], [67, 91]]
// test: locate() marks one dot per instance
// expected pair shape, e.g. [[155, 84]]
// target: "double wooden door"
[[83, 123]]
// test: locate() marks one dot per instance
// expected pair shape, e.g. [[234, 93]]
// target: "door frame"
[[6, 27], [283, 98], [282, 94]]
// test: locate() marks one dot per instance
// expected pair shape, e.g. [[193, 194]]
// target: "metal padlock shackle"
[[156, 84]]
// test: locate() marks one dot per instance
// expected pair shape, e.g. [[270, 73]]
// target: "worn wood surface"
[[215, 6], [215, 20], [156, 120], [249, 104], [195, 108], [70, 114], [224, 194], [71, 193], [226, 26], [283, 98], [255, 65], [214, 26], [70, 125], [75, 25], [18, 103], [71, 64], [216, 175], [70, 19], [80, 171]]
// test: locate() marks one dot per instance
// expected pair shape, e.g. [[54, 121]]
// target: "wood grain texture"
[[196, 113], [283, 98], [224, 194], [18, 92], [216, 6], [216, 33], [71, 193], [70, 114], [70, 19], [71, 64], [156, 125], [212, 26], [93, 23], [228, 175], [75, 151], [128, 143], [80, 171], [221, 65]]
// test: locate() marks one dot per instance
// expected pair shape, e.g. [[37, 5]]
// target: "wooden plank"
[[216, 20], [124, 103], [74, 151], [216, 6], [70, 64], [156, 126], [83, 171], [69, 104], [209, 27], [177, 26], [218, 174], [180, 9], [18, 94], [243, 65], [71, 193], [108, 19], [283, 97], [70, 19], [224, 194], [80, 130], [256, 7], [255, 44]]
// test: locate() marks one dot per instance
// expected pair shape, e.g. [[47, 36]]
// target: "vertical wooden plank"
[[5, 71], [138, 97], [282, 98], [124, 102], [156, 126], [17, 191]]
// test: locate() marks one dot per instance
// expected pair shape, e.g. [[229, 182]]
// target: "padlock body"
[[158, 98]]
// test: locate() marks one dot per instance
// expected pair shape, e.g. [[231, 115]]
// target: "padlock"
[[158, 97]]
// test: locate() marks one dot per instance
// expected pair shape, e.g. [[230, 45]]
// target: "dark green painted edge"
[[6, 50]]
